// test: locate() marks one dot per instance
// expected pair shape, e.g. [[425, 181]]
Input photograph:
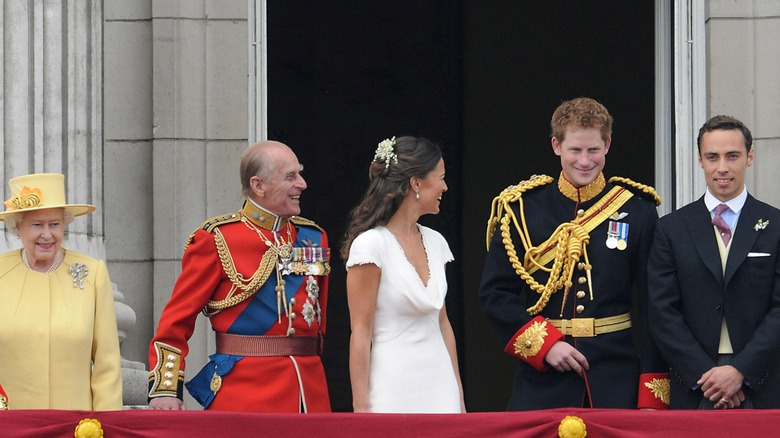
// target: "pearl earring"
[[417, 193]]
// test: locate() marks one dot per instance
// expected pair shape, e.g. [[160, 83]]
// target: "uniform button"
[[171, 357], [582, 280], [169, 365], [291, 331], [580, 308], [528, 344], [580, 213], [293, 316], [167, 383], [581, 266], [580, 294], [292, 301], [168, 375]]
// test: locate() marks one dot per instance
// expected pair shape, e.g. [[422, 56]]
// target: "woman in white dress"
[[402, 348]]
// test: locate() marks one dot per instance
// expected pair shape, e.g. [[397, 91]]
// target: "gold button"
[[292, 301], [581, 294], [582, 280], [291, 331], [167, 383], [170, 365], [528, 344], [168, 375], [171, 357], [580, 213], [580, 308], [293, 316], [581, 266]]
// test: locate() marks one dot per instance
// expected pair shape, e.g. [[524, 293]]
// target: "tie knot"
[[720, 209]]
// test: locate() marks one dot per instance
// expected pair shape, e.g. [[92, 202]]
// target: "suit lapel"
[[699, 225], [744, 237]]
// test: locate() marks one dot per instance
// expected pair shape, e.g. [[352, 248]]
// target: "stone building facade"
[[146, 106]]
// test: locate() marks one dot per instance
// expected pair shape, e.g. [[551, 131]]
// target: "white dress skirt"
[[410, 369]]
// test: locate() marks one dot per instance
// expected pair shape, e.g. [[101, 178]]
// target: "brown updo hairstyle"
[[389, 183]]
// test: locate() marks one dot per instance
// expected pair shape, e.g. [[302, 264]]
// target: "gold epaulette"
[[211, 223], [511, 194], [302, 221], [643, 190]]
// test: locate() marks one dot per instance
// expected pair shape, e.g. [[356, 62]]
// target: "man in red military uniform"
[[261, 276]]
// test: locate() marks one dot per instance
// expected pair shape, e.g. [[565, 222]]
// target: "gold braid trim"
[[506, 197], [249, 286], [639, 186], [569, 239]]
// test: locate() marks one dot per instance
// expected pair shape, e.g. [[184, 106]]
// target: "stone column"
[[51, 105], [200, 130]]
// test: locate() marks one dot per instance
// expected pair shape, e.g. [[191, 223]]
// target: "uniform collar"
[[262, 217], [581, 194]]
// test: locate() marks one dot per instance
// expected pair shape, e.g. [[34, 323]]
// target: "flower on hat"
[[761, 224], [27, 198], [385, 152]]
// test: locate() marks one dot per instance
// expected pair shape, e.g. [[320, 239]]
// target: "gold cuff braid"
[[167, 374]]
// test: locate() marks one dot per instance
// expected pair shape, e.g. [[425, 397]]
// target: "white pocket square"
[[758, 254]]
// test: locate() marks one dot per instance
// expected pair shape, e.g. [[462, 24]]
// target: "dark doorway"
[[481, 78]]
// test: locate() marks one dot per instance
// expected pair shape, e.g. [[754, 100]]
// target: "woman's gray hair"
[[13, 219]]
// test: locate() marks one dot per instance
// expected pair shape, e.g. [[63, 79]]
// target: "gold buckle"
[[583, 327]]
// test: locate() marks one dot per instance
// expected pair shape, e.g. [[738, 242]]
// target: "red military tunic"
[[227, 273]]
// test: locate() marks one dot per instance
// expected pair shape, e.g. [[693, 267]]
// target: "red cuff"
[[532, 342], [653, 391], [3, 399]]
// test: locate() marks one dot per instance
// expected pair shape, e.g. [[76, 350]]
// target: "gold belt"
[[589, 327], [243, 345]]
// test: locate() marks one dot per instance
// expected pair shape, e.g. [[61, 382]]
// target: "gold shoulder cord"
[[569, 238], [501, 209], [248, 287], [639, 186]]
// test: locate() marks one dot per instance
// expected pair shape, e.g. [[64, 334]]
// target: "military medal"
[[617, 235], [216, 383], [612, 235], [622, 242]]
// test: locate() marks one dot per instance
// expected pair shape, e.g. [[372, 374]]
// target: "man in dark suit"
[[714, 284]]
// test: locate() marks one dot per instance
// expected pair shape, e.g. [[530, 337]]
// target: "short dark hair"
[[725, 123]]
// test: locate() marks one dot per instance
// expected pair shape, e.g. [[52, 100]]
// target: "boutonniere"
[[761, 224]]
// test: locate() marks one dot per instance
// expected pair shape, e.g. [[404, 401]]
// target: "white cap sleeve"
[[367, 248]]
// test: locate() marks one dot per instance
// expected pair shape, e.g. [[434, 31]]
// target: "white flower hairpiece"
[[761, 224], [385, 152]]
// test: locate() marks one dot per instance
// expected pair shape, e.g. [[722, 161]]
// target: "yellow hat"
[[39, 191]]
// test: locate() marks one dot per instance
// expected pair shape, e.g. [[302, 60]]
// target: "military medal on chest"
[[617, 232]]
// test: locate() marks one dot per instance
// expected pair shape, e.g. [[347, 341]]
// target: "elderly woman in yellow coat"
[[58, 336]]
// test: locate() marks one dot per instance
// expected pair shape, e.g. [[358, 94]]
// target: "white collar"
[[735, 204]]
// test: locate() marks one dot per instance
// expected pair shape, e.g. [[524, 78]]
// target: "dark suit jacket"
[[689, 295], [614, 366]]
